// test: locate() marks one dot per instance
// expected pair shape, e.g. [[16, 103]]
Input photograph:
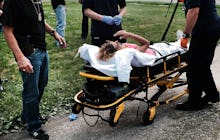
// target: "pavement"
[[169, 123]]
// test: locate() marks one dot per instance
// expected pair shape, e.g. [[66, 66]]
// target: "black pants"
[[84, 25], [199, 75]]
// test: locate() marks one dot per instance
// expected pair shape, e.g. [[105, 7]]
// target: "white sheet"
[[121, 64]]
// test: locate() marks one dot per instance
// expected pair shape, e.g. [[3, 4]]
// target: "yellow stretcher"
[[102, 92]]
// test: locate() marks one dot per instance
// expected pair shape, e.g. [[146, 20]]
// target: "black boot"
[[191, 106], [211, 99]]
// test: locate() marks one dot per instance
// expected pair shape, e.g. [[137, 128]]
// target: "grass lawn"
[[147, 19]]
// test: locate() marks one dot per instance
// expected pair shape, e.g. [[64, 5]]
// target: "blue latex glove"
[[72, 117], [108, 20], [117, 19]]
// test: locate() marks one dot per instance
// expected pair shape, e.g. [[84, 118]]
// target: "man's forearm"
[[93, 15], [191, 18], [122, 11], [12, 42]]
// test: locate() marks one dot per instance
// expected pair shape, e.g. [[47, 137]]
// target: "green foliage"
[[146, 19]]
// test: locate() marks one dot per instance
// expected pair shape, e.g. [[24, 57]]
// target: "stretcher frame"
[[165, 73]]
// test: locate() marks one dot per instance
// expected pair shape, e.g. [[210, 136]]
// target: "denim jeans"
[[33, 88], [60, 12]]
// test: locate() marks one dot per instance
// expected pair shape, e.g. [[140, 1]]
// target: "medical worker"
[[202, 24]]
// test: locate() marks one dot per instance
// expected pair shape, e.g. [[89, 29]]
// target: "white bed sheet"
[[121, 64]]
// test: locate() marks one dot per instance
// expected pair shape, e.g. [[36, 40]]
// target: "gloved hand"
[[184, 42], [117, 19], [108, 20]]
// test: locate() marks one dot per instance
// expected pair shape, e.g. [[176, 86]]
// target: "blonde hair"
[[106, 51]]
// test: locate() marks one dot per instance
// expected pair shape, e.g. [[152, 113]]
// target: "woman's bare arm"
[[144, 43]]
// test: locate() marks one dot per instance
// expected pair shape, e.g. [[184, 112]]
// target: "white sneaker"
[[179, 34]]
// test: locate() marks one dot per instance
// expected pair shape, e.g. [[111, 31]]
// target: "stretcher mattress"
[[125, 60]]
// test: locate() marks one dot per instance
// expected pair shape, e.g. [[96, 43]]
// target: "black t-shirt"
[[55, 3], [208, 20], [104, 7], [23, 17], [1, 9]]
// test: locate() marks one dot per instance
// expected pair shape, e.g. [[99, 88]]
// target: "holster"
[[25, 45]]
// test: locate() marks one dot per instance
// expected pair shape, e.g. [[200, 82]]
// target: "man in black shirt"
[[203, 23], [106, 18], [24, 31]]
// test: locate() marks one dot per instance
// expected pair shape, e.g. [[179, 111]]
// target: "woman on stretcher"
[[109, 48], [116, 59]]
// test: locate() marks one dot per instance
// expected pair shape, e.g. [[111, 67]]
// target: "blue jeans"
[[60, 12], [33, 88]]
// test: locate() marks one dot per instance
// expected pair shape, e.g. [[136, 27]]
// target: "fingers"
[[25, 65], [121, 34], [27, 69], [184, 42], [117, 19], [62, 43], [108, 20]]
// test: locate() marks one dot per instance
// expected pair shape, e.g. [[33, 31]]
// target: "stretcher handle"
[[97, 77], [164, 58]]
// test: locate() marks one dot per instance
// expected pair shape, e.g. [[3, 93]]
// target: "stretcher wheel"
[[111, 118], [148, 117], [76, 108]]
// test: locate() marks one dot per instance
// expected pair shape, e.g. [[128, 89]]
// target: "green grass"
[[146, 19]]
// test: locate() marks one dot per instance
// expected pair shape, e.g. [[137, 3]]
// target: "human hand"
[[61, 40], [62, 43], [1, 12], [117, 19], [108, 20], [122, 34], [184, 42], [25, 65]]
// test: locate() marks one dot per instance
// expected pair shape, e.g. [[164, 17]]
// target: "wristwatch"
[[186, 35], [52, 32]]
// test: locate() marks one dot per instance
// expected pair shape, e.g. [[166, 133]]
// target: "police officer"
[[203, 25]]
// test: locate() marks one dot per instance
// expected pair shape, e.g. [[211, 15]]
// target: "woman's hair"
[[106, 51]]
